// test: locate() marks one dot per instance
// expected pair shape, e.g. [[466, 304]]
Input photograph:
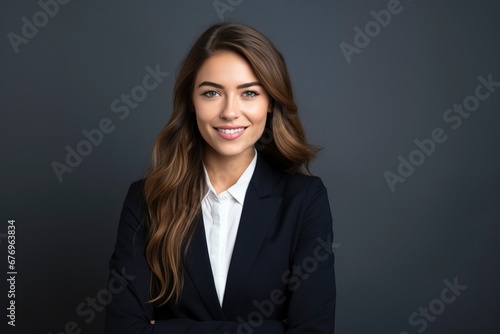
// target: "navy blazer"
[[281, 267]]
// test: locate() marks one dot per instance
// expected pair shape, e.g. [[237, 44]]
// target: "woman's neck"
[[224, 171]]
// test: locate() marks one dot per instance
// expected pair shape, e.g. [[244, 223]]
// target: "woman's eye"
[[210, 93], [250, 94]]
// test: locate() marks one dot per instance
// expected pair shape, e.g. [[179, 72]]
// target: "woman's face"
[[230, 104]]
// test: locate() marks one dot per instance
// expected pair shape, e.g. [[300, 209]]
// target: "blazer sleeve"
[[311, 280], [128, 310]]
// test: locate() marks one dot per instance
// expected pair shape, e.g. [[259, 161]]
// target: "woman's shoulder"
[[136, 189], [305, 181], [134, 198], [292, 184]]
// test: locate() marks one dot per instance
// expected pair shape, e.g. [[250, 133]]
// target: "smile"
[[230, 134], [230, 131]]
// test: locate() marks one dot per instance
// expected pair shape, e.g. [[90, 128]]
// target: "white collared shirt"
[[221, 217]]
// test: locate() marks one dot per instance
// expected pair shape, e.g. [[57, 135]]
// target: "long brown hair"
[[175, 179]]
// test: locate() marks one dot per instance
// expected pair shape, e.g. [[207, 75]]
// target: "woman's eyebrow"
[[216, 85], [249, 84], [209, 83]]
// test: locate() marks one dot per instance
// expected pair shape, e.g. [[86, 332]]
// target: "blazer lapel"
[[199, 270], [259, 210]]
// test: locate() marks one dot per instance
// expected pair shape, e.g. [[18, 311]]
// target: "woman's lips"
[[230, 133]]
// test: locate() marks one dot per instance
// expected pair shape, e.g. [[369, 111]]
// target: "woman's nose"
[[230, 109]]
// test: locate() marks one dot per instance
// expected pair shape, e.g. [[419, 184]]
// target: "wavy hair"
[[175, 179]]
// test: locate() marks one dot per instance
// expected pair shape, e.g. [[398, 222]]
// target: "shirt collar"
[[239, 189]]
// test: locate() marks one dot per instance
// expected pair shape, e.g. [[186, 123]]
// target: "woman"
[[228, 232]]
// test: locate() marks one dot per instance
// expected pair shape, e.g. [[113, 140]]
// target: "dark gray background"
[[394, 248]]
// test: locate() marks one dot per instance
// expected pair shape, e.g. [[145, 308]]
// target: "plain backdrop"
[[395, 248]]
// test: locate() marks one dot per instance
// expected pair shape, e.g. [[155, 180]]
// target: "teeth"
[[231, 131]]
